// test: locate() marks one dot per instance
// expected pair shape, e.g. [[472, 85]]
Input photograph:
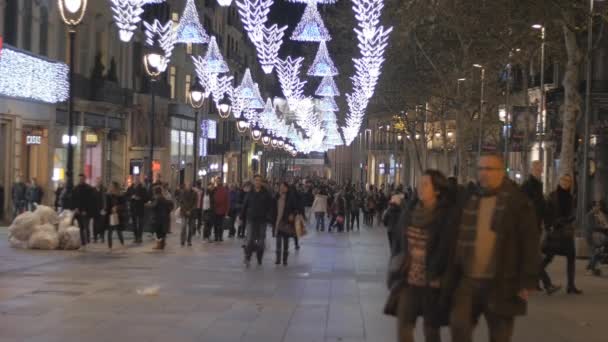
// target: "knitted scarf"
[[467, 236]]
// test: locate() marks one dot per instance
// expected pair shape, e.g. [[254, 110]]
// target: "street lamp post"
[[507, 113], [481, 103], [72, 12], [155, 64], [542, 116], [197, 99]]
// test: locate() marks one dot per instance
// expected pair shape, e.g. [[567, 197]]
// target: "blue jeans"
[[320, 217]]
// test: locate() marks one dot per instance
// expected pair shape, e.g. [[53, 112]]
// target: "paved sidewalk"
[[333, 290]]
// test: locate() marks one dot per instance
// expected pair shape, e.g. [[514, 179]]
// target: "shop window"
[[187, 90]]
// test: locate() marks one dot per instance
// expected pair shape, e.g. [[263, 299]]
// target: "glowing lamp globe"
[[197, 94], [224, 3], [274, 142], [280, 143], [223, 108], [72, 11], [265, 140], [155, 61], [242, 125], [256, 133]]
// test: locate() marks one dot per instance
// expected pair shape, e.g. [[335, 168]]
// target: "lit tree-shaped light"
[[268, 51], [256, 102], [127, 13], [322, 65], [190, 30], [328, 104], [224, 3], [311, 27], [327, 87], [288, 71], [246, 89], [268, 117], [214, 61], [254, 14], [252, 116]]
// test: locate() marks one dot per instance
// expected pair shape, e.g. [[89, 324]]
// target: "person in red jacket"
[[221, 208]]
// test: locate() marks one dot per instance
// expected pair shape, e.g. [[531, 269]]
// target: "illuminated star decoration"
[[127, 13], [327, 87], [288, 71], [268, 51], [311, 27], [322, 65], [190, 30], [254, 14], [373, 40], [28, 77], [246, 88]]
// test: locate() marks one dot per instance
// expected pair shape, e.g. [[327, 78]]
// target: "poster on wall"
[[209, 129]]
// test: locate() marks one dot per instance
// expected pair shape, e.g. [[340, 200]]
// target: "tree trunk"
[[572, 100]]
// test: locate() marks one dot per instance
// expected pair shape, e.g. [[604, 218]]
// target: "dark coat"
[[187, 202], [120, 202], [516, 252], [34, 194], [258, 206], [533, 188], [160, 211], [137, 196], [18, 192], [83, 199]]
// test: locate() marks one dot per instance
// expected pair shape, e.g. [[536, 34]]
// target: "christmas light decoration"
[[25, 76], [127, 13], [268, 117], [373, 40], [322, 65], [224, 3], [327, 87], [268, 51], [207, 80], [311, 27], [214, 61], [239, 104], [252, 116], [256, 102], [164, 33], [72, 11], [254, 14], [328, 104], [153, 2], [246, 88], [320, 2], [288, 71], [190, 30]]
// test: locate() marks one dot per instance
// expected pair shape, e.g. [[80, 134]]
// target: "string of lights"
[[127, 14]]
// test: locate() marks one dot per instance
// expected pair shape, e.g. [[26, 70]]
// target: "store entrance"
[[93, 163]]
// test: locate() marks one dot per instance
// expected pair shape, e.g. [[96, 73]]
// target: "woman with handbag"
[[287, 210], [428, 228], [559, 237], [116, 206]]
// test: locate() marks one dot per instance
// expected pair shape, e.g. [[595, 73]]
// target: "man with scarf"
[[496, 256]]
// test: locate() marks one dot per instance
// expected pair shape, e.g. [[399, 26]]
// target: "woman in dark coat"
[[559, 239], [116, 206], [287, 209], [423, 242]]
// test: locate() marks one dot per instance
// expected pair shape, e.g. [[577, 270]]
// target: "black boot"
[[278, 260], [285, 255]]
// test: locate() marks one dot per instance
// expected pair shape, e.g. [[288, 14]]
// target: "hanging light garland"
[[224, 3], [268, 51], [190, 30], [288, 71], [127, 13], [165, 35], [254, 14], [320, 2], [256, 102]]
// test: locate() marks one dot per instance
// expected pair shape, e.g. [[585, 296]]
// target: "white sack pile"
[[38, 230]]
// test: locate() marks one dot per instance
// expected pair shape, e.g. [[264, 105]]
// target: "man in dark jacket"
[[83, 197], [18, 197], [496, 259], [137, 195], [257, 210], [533, 188], [187, 204], [160, 211], [33, 195]]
